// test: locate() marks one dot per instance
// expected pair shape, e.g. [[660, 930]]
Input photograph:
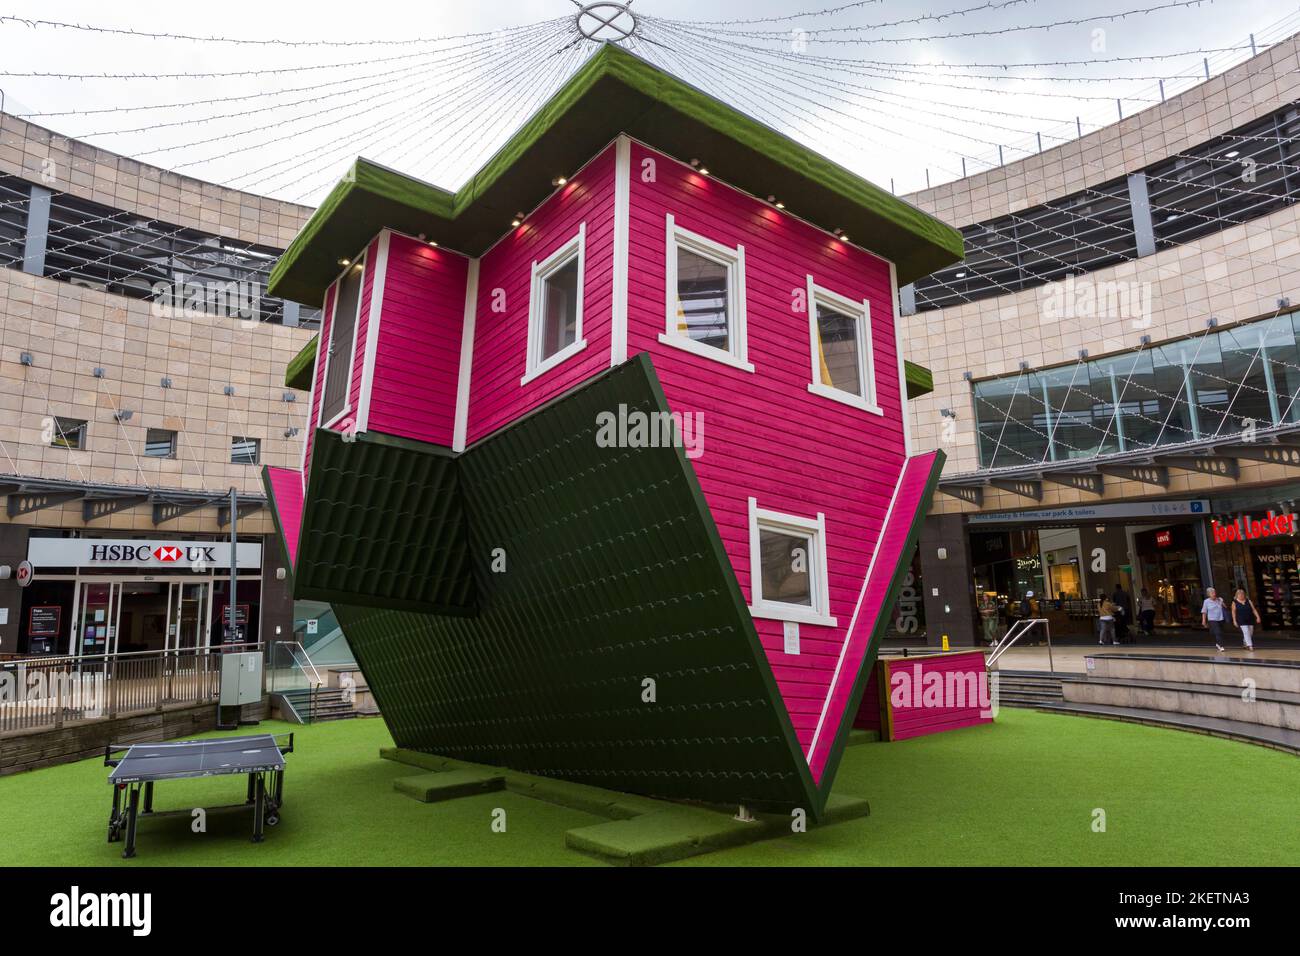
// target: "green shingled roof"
[[614, 92]]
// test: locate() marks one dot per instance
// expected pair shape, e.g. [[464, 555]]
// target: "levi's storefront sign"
[[157, 555], [1248, 528]]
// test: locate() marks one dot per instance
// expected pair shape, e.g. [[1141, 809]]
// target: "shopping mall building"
[[141, 379], [1117, 365]]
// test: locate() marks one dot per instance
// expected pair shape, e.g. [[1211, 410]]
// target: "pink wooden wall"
[[286, 486], [765, 435], [911, 714], [501, 338], [417, 354]]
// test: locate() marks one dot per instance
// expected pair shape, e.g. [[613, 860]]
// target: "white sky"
[[441, 120]]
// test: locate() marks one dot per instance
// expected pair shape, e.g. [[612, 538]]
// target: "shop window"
[[842, 367], [705, 298], [555, 307], [788, 570], [245, 451], [68, 433], [159, 443]]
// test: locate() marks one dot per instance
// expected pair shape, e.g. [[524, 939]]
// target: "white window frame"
[[352, 361], [861, 311], [734, 260], [574, 249], [818, 567]]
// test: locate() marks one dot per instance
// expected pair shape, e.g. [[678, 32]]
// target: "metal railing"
[[1014, 633], [54, 691], [291, 669]]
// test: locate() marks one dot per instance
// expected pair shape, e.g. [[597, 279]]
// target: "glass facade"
[[1230, 179], [97, 246], [1217, 384]]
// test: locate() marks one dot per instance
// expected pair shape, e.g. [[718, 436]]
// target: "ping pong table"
[[260, 757]]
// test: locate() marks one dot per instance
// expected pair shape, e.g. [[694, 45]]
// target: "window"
[[343, 338], [555, 307], [159, 443], [245, 451], [842, 366], [788, 571], [705, 298], [68, 433]]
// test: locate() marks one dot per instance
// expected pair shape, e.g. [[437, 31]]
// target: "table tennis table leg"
[[249, 798], [148, 797], [132, 810], [279, 788], [115, 818], [259, 806]]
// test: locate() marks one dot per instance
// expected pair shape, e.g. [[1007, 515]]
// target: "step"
[[1267, 707], [1224, 670], [448, 784], [1263, 735]]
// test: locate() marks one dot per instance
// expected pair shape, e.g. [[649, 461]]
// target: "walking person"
[[989, 615], [1123, 613], [1246, 617], [1105, 619], [1212, 616], [1147, 613]]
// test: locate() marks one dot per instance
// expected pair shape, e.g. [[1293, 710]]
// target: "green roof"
[[614, 92], [920, 381]]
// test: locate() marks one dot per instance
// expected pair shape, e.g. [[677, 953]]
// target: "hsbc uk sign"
[[145, 553], [154, 555]]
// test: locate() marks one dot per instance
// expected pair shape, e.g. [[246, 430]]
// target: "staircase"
[[1254, 700], [1028, 688], [313, 705]]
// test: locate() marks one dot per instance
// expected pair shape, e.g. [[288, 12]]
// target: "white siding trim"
[[622, 247], [853, 621], [372, 332], [466, 358]]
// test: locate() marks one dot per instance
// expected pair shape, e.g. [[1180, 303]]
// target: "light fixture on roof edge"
[[559, 181]]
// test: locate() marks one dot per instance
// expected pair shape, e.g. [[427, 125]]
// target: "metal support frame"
[[223, 512], [95, 507], [1157, 475], [25, 502], [1024, 487], [969, 493], [1094, 484], [1218, 465]]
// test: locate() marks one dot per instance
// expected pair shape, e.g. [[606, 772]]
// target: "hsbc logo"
[[149, 554]]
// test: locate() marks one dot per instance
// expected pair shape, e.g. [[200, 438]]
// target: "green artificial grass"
[[1019, 791], [1022, 791]]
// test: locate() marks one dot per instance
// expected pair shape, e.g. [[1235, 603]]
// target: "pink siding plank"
[[286, 484], [417, 354], [505, 276]]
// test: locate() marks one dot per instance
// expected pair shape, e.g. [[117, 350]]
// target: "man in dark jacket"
[[1124, 605]]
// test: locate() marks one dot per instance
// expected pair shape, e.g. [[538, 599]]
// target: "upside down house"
[[608, 475]]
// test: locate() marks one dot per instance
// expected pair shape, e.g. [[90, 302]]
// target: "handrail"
[[290, 645], [1014, 633], [129, 655]]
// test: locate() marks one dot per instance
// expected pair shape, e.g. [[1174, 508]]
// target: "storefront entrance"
[[118, 616]]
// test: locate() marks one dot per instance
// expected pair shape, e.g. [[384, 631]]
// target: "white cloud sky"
[[440, 121]]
